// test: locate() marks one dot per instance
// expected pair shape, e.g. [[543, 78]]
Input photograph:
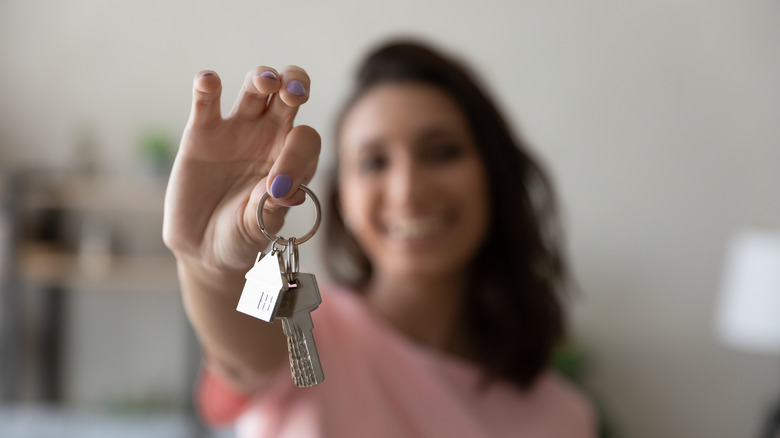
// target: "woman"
[[441, 235]]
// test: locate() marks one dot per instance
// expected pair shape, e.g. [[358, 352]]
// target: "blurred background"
[[659, 120]]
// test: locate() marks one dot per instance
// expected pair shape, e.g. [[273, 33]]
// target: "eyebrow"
[[373, 145], [428, 133], [435, 132]]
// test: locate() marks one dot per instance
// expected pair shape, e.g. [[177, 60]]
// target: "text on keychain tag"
[[263, 288]]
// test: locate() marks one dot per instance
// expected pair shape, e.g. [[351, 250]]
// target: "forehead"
[[397, 111]]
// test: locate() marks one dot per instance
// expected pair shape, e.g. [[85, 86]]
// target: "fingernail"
[[269, 74], [281, 186], [207, 73], [296, 88]]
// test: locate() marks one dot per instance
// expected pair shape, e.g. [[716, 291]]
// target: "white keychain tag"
[[263, 288]]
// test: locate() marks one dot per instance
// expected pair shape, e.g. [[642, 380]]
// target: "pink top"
[[378, 383]]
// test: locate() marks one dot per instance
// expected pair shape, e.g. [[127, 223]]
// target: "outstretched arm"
[[223, 167]]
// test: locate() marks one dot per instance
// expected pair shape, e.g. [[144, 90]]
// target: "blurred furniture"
[[9, 205], [62, 232], [749, 312]]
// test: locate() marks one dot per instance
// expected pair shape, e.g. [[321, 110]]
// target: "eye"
[[372, 163], [442, 152]]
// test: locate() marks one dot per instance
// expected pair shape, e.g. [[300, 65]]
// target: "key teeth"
[[300, 361]]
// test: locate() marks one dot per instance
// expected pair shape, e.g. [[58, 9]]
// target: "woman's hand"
[[224, 165]]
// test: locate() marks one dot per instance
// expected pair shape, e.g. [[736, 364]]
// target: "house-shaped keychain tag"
[[263, 288]]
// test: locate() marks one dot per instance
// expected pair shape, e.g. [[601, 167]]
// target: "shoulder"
[[338, 304], [563, 406]]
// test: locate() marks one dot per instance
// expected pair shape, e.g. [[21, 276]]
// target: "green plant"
[[157, 149]]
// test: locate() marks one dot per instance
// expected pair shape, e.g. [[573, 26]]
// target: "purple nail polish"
[[281, 186], [296, 88], [269, 74]]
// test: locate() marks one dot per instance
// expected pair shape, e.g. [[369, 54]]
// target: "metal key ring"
[[292, 261], [298, 240]]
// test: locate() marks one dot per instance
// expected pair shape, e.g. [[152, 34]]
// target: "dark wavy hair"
[[513, 313]]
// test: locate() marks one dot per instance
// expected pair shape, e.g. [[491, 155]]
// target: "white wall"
[[659, 120]]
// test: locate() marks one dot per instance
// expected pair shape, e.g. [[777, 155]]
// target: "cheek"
[[473, 186], [355, 203], [356, 211], [470, 180]]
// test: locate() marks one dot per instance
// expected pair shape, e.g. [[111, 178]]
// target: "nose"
[[407, 183]]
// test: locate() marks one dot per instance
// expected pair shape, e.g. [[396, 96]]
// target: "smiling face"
[[413, 188]]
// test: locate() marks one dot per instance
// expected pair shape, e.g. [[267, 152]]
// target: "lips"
[[419, 228]]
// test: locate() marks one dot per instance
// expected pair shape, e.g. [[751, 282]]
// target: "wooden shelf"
[[128, 208], [44, 264], [99, 193]]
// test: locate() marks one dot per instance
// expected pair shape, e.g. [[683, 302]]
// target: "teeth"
[[415, 229]]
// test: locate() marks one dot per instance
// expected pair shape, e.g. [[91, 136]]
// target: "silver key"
[[295, 312]]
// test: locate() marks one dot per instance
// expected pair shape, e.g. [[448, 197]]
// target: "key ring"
[[298, 240], [291, 261]]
